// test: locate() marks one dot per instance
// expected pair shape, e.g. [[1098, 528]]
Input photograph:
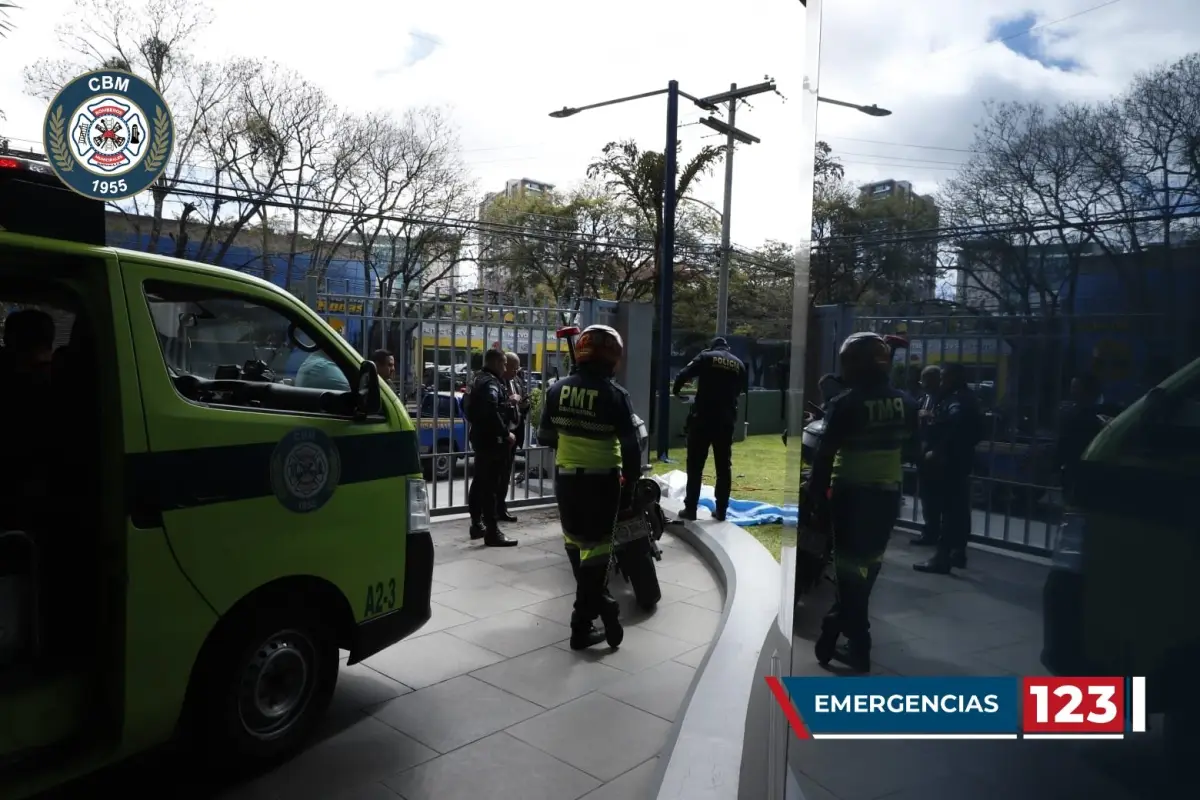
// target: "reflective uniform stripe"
[[590, 551], [574, 452], [860, 565], [855, 467]]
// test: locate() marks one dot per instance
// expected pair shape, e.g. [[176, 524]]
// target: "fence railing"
[[1021, 369], [438, 346]]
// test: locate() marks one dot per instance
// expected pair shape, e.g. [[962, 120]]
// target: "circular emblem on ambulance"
[[108, 135], [305, 470]]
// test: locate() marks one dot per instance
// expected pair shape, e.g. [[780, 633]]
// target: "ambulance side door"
[[249, 494]]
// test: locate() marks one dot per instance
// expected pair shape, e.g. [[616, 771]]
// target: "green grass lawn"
[[759, 473]]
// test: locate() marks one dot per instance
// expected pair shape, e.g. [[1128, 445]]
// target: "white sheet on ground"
[[744, 513]]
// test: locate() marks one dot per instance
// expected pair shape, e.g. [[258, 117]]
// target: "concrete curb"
[[702, 759]]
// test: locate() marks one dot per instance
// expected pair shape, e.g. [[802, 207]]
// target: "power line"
[[900, 166], [365, 216], [196, 167], [905, 158], [1139, 216], [902, 144]]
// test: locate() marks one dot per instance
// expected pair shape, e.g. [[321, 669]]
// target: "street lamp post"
[[666, 245], [666, 272]]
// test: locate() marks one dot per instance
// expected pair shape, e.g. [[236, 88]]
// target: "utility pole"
[[723, 279], [732, 137]]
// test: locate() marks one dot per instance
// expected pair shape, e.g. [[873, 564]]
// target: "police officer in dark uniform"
[[491, 441], [1080, 419], [929, 478], [589, 421], [711, 421], [517, 407], [854, 488], [957, 427]]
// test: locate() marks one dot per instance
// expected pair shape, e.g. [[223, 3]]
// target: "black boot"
[[719, 514], [958, 559], [477, 531], [855, 656], [826, 646], [688, 513], [925, 540], [614, 633], [938, 565], [494, 538], [585, 634], [503, 516]]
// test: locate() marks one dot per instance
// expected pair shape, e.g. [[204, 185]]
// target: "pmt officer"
[[588, 420], [855, 488], [722, 377]]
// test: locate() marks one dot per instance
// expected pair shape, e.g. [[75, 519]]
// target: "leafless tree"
[[246, 148], [414, 192], [323, 152], [1118, 178], [325, 199]]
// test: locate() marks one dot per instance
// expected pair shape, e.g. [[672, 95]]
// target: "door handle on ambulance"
[[146, 517]]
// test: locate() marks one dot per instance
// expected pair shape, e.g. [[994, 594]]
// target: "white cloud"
[[502, 67]]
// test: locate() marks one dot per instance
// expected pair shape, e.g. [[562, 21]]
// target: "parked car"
[[441, 432]]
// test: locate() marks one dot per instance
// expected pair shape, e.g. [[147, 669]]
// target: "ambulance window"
[[216, 334]]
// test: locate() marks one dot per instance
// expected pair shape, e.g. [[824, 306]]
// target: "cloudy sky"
[[501, 67]]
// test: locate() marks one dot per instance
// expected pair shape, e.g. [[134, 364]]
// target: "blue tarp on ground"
[[747, 513]]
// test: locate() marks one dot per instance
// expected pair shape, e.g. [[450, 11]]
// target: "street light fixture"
[[871, 110]]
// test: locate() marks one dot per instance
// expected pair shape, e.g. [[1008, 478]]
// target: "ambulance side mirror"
[[369, 399]]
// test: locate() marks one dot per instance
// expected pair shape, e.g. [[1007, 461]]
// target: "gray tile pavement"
[[487, 700], [983, 621]]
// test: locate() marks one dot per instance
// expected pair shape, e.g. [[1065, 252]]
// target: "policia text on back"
[[722, 377]]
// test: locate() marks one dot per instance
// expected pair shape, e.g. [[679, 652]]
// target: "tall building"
[[923, 215], [491, 272]]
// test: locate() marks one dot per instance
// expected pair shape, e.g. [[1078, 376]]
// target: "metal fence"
[[438, 344], [1020, 368]]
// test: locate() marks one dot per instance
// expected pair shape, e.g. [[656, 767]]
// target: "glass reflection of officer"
[[957, 428], [928, 477], [855, 488], [1080, 420], [589, 421], [711, 421]]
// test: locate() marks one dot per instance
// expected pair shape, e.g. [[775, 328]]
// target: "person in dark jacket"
[[588, 419], [928, 477], [722, 378], [491, 441], [1080, 420], [854, 487], [956, 429], [517, 404]]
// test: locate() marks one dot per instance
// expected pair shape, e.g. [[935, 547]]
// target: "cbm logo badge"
[[305, 470], [108, 135]]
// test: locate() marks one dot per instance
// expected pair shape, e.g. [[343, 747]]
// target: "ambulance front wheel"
[[270, 678]]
